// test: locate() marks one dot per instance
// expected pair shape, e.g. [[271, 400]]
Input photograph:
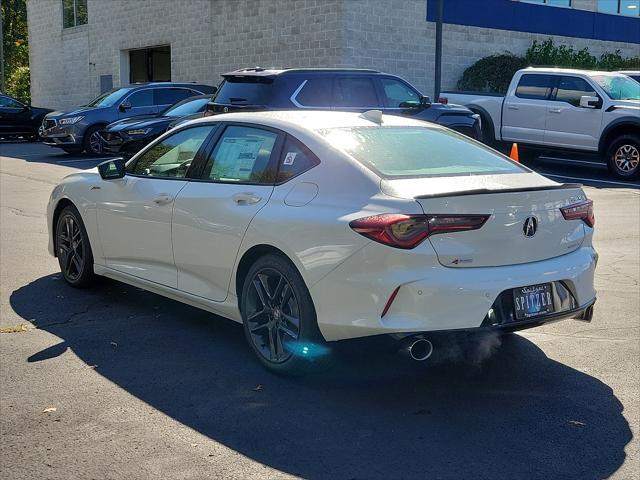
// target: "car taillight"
[[580, 211], [443, 100], [407, 231]]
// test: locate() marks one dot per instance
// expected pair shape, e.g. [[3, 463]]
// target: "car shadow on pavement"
[[517, 415]]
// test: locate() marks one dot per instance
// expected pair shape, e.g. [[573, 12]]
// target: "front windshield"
[[187, 107], [619, 87], [107, 99], [417, 152]]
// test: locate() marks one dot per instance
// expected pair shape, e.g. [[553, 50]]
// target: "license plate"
[[533, 301]]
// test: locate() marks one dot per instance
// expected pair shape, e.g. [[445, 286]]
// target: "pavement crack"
[[69, 319], [22, 213], [27, 177]]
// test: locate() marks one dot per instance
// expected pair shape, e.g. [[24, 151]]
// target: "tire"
[[623, 157], [73, 249], [268, 308], [91, 143]]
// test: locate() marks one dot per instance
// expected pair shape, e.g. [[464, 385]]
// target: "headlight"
[[138, 131], [70, 120]]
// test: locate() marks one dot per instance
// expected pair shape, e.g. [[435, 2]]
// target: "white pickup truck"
[[562, 109]]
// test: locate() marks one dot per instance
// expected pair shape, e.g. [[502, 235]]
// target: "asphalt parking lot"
[[115, 382]]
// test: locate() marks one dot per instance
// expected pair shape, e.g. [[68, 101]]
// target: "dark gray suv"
[[77, 130]]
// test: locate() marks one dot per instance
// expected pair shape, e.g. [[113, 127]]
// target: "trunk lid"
[[510, 200]]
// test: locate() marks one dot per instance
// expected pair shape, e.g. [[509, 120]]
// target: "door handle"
[[163, 199], [513, 107], [246, 198], [555, 110]]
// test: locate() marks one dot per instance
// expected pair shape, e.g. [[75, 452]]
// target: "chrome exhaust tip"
[[420, 349]]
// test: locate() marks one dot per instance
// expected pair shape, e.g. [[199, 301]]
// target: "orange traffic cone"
[[514, 153]]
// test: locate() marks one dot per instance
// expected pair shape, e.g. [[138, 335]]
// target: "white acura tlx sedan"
[[313, 227]]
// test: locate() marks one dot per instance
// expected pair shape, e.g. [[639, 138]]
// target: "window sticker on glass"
[[289, 158], [235, 158]]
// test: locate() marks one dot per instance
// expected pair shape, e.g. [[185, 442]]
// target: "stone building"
[[79, 48]]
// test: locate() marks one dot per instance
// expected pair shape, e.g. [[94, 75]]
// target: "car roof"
[[574, 71], [305, 121], [273, 72], [629, 72], [164, 84]]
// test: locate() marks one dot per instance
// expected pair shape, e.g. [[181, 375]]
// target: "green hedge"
[[19, 84], [494, 73]]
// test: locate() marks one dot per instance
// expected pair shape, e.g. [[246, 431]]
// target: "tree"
[[15, 47]]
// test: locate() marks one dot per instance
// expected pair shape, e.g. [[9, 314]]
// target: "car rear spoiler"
[[483, 191]]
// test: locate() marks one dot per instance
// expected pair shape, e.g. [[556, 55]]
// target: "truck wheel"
[[623, 157]]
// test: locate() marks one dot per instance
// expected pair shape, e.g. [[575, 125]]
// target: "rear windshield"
[[244, 91], [418, 152], [187, 107]]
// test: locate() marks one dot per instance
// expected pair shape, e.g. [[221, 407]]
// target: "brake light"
[[443, 100], [408, 231], [580, 211]]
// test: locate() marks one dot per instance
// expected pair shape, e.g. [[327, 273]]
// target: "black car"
[[18, 119], [336, 89], [127, 137], [77, 129]]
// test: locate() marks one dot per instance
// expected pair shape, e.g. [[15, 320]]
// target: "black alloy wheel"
[[72, 248], [279, 318]]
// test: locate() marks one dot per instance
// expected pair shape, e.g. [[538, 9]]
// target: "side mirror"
[[112, 169], [124, 106], [425, 101], [587, 101]]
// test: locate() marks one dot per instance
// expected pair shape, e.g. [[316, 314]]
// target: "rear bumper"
[[433, 298]]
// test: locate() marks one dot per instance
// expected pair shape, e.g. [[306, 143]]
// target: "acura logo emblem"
[[530, 226], [225, 109]]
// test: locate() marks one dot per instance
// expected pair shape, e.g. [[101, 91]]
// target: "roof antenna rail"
[[374, 116]]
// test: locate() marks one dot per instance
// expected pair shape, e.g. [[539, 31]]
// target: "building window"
[[554, 3], [630, 8], [74, 13]]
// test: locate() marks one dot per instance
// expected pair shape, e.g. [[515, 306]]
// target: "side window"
[[141, 98], [535, 87], [570, 89], [315, 93], [169, 96], [397, 94], [242, 155], [172, 156], [9, 102], [296, 159], [357, 92]]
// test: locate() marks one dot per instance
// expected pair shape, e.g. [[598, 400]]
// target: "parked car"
[[18, 119], [635, 74], [336, 89], [313, 227], [563, 109], [128, 136], [77, 130]]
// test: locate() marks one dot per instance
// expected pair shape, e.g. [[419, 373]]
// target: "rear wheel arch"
[[488, 129], [250, 257]]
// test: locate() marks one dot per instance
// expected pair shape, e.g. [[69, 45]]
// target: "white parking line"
[[600, 164], [591, 180]]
